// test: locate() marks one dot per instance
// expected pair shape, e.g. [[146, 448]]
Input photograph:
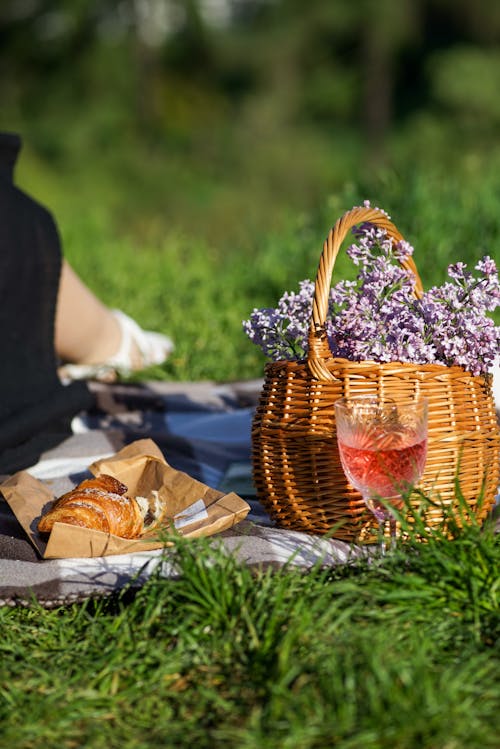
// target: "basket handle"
[[319, 350]]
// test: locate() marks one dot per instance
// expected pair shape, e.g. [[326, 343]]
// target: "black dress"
[[35, 407]]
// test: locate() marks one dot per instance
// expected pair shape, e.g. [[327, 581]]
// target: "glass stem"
[[392, 528], [381, 532]]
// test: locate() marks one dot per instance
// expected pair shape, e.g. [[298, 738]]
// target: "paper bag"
[[194, 509]]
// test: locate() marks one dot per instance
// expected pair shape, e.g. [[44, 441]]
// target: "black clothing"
[[35, 408]]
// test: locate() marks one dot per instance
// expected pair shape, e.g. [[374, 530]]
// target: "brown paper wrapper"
[[194, 509]]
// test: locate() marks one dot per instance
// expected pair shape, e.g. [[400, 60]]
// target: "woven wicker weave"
[[296, 465]]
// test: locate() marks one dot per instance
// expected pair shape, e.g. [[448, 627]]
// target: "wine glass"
[[383, 448]]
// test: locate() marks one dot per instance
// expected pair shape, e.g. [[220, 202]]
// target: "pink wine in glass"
[[383, 472], [383, 448]]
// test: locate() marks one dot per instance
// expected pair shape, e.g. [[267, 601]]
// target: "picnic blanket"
[[203, 429]]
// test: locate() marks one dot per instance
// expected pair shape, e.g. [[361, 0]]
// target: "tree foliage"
[[171, 69]]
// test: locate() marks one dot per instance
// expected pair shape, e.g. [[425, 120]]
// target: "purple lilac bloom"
[[378, 317], [282, 333]]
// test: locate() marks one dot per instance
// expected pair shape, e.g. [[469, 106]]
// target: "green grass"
[[401, 653], [198, 282]]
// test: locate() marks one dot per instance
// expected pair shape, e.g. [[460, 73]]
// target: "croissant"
[[101, 504]]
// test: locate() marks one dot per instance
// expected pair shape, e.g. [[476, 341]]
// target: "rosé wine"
[[384, 473], [383, 449]]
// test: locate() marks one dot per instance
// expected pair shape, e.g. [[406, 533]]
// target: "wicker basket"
[[296, 465]]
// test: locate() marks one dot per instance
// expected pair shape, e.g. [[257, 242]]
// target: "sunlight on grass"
[[402, 652], [175, 279]]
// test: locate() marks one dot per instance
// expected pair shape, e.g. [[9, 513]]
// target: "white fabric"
[[154, 348], [53, 468]]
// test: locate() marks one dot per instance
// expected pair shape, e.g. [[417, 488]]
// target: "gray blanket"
[[202, 429]]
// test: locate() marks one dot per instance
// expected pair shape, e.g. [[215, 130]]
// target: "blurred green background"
[[196, 152]]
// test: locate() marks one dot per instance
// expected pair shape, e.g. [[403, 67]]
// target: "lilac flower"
[[282, 333], [378, 317]]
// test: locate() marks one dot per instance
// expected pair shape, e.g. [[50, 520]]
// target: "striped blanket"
[[202, 429]]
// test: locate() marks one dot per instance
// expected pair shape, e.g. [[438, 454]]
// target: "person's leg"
[[94, 341], [86, 331]]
